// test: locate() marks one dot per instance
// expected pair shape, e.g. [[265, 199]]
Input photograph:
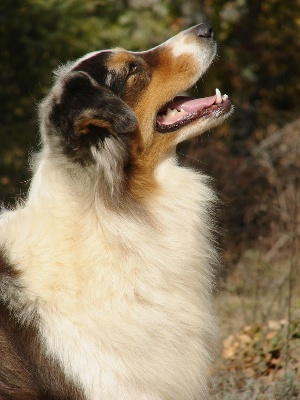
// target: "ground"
[[258, 297]]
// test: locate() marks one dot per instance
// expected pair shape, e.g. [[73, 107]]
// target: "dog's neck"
[[64, 202], [100, 188]]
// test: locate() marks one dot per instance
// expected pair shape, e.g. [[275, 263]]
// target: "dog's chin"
[[203, 124]]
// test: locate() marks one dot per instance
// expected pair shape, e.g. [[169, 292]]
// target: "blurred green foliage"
[[258, 66]]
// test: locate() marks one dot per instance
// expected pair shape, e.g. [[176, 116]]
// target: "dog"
[[107, 269]]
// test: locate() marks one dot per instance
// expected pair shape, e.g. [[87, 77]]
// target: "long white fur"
[[124, 306], [120, 301]]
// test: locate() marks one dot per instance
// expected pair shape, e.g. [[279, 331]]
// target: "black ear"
[[85, 113]]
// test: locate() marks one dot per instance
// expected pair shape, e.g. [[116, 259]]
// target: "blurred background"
[[254, 158]]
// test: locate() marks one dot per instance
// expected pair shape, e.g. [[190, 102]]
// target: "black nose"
[[205, 30]]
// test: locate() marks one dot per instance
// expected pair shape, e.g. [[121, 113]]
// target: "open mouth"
[[183, 110]]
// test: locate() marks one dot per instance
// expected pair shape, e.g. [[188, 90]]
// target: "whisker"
[[191, 158]]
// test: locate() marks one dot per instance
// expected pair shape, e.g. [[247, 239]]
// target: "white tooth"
[[219, 97], [224, 97], [169, 111]]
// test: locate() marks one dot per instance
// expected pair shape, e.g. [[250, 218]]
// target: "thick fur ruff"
[[106, 272]]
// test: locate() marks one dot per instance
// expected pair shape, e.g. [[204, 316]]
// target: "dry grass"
[[237, 386], [259, 301], [260, 326]]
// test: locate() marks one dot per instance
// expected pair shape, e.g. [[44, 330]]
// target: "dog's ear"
[[84, 107]]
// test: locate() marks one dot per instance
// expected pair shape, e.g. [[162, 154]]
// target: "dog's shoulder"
[[16, 383], [26, 371]]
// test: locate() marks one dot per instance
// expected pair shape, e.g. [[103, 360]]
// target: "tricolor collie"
[[106, 271]]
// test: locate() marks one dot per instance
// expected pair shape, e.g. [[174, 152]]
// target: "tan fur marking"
[[158, 93], [155, 146], [118, 59], [82, 127]]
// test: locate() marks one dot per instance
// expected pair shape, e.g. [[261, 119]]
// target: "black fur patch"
[[83, 101], [96, 68]]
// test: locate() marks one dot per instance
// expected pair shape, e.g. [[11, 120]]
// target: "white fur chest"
[[124, 307]]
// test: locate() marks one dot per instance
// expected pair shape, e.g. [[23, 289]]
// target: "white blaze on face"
[[182, 44]]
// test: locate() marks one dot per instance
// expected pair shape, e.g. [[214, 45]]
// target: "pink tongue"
[[192, 105]]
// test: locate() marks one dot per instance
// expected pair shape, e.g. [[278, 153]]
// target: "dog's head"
[[123, 110]]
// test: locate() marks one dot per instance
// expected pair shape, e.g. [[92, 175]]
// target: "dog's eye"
[[133, 68]]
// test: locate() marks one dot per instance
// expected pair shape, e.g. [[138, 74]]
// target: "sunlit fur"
[[123, 292]]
